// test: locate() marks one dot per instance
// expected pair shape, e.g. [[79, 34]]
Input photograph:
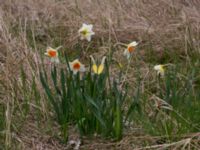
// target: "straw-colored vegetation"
[[67, 87]]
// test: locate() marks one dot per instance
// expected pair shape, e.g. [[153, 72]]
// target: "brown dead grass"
[[159, 24]]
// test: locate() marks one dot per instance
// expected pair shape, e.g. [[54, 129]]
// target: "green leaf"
[[95, 109], [64, 94], [50, 96]]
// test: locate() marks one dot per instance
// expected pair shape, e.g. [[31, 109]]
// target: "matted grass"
[[164, 111]]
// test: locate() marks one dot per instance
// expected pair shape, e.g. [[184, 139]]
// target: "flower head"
[[98, 69], [85, 32], [53, 54], [77, 66], [160, 69], [130, 48]]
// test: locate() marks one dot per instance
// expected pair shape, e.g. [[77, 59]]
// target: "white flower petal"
[[103, 60], [160, 70], [125, 52], [157, 67], [90, 27], [128, 55], [75, 72], [49, 48], [134, 43], [55, 60], [92, 33], [92, 58], [71, 65], [88, 38], [82, 68], [84, 25]]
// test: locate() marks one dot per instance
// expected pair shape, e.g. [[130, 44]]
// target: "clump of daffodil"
[[85, 32], [98, 69], [160, 69], [130, 48], [53, 54], [76, 66]]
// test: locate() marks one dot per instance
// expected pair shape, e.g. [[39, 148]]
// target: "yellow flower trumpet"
[[98, 69]]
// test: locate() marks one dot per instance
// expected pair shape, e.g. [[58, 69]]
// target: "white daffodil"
[[77, 66], [53, 54], [130, 48], [98, 69], [160, 69], [85, 32]]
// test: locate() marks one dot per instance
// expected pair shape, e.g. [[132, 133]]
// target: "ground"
[[164, 113]]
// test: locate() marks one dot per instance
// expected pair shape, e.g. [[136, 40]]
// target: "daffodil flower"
[[160, 69], [76, 66], [53, 54], [85, 32], [98, 69], [130, 48]]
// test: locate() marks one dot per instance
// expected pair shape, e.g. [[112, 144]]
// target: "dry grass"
[[27, 27]]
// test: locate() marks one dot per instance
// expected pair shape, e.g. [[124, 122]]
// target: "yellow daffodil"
[[130, 48], [76, 66], [98, 69], [53, 54], [85, 32], [160, 69]]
